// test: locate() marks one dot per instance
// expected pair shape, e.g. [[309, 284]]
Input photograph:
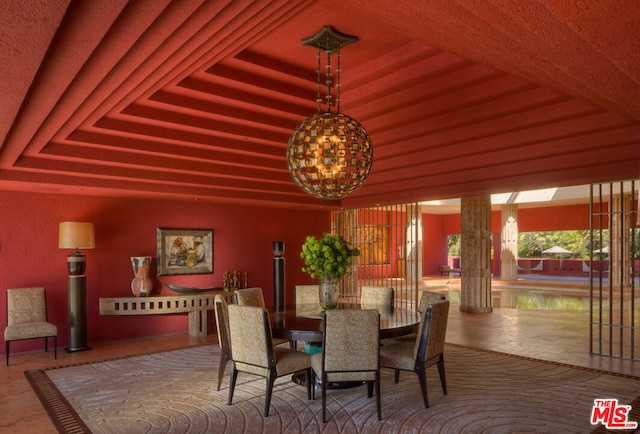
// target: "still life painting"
[[185, 251]]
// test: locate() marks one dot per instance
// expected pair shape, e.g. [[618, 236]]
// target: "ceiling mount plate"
[[329, 39]]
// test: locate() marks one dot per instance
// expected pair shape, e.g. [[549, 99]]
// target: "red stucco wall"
[[569, 217], [29, 254]]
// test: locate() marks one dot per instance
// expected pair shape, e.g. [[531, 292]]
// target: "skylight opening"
[[543, 195]]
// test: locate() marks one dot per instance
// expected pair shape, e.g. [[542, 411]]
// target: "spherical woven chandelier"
[[329, 154]]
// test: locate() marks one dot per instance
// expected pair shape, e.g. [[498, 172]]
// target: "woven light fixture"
[[329, 154]]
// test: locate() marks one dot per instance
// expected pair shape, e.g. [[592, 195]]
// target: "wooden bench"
[[195, 305], [445, 269]]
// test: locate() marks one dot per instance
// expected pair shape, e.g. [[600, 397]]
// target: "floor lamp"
[[77, 235]]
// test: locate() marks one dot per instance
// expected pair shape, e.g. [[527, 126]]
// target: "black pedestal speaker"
[[279, 296]]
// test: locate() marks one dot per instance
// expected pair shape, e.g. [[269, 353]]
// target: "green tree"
[[453, 245]]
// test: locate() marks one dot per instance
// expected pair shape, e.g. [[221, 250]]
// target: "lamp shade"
[[76, 235]]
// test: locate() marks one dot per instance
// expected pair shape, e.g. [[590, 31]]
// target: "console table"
[[196, 305]]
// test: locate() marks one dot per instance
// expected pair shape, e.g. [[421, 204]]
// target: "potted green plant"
[[327, 259]]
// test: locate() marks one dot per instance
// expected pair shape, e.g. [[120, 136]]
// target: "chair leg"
[[324, 398], [55, 347], [7, 353], [422, 379], [443, 379], [307, 379], [232, 384], [271, 378], [397, 376], [46, 344], [221, 368], [378, 395], [369, 389]]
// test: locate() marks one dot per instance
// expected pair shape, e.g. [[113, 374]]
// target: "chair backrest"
[[376, 296], [351, 344], [249, 297], [222, 322], [307, 294], [428, 298], [26, 305], [227, 296], [250, 334], [430, 340]]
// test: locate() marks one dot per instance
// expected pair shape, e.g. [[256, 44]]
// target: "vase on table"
[[141, 285], [329, 292]]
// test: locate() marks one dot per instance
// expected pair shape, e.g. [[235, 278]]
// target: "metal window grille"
[[614, 235], [389, 239]]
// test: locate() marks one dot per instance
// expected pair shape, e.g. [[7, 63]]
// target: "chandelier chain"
[[319, 85], [329, 154]]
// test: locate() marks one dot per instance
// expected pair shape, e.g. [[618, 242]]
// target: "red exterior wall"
[[559, 218], [29, 254]]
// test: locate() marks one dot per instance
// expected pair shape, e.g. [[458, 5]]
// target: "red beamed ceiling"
[[196, 99]]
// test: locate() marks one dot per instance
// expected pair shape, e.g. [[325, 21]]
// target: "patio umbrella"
[[557, 250]]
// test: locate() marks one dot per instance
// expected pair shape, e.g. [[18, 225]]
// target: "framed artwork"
[[373, 243], [184, 251]]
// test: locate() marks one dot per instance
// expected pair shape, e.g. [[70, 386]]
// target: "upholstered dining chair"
[[307, 294], [307, 298], [255, 297], [27, 318], [376, 297], [425, 351], [429, 297], [350, 352], [426, 298], [253, 351], [249, 297], [222, 326]]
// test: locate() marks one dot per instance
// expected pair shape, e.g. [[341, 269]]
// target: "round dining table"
[[305, 322]]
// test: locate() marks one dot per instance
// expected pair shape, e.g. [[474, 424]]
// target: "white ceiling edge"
[[559, 196]]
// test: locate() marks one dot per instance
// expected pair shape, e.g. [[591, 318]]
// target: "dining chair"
[[27, 318], [429, 297], [350, 352], [249, 297], [425, 351], [426, 298], [307, 294], [222, 326], [255, 297], [376, 297], [307, 298], [253, 351]]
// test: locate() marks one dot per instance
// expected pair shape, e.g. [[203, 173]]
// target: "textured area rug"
[[175, 392]]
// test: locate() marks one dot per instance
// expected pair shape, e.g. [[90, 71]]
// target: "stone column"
[[509, 243], [475, 254], [413, 247], [619, 258]]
